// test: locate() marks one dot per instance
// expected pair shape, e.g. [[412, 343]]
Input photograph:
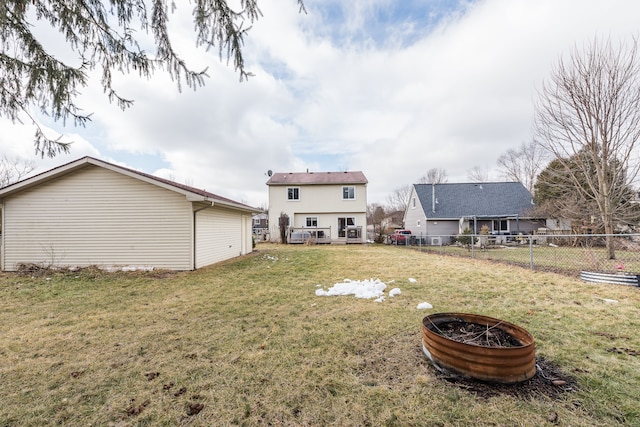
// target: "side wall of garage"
[[95, 216], [219, 235]]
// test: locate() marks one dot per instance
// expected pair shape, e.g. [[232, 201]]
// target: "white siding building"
[[329, 207], [93, 213]]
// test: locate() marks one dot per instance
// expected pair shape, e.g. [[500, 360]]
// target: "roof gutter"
[[236, 206], [192, 197]]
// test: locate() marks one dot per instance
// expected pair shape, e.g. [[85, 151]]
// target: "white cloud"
[[380, 87]]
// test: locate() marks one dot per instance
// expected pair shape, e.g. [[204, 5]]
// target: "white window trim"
[[293, 188], [354, 192], [508, 230]]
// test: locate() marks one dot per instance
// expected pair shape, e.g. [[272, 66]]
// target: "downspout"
[[194, 230]]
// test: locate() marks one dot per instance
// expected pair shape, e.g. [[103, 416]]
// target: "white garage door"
[[218, 236]]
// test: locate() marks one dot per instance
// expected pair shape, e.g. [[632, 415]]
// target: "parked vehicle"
[[400, 237]]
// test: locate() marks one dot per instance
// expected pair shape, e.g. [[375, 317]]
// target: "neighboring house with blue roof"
[[439, 210]]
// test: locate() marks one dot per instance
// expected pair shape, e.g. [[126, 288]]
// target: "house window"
[[293, 193], [343, 223], [312, 221], [413, 203], [349, 193], [500, 225], [418, 223]]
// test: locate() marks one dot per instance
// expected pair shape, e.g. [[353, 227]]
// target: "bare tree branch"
[[13, 169], [523, 164], [478, 174], [375, 216], [434, 176], [398, 200], [588, 119]]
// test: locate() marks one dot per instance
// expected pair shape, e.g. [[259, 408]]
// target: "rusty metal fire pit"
[[508, 361]]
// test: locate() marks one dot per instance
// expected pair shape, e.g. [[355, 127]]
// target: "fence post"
[[473, 245], [531, 251]]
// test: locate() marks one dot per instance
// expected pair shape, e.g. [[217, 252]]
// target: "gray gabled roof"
[[487, 199]]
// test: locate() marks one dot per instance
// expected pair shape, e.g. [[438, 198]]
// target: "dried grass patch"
[[247, 342]]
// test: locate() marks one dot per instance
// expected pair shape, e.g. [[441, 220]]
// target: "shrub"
[[464, 238]]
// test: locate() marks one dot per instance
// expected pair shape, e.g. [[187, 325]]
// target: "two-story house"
[[260, 225], [325, 207]]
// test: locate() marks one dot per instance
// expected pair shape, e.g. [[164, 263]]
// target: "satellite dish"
[[269, 172]]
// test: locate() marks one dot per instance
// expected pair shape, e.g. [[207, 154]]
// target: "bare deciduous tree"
[[398, 200], [478, 174], [13, 169], [588, 119], [375, 216], [523, 164], [434, 176]]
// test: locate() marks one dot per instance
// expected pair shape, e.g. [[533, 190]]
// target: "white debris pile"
[[368, 289], [360, 289], [393, 292]]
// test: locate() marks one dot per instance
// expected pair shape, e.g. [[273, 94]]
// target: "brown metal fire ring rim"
[[491, 322], [495, 364]]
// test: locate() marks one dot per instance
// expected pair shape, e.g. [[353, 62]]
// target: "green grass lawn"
[[247, 342]]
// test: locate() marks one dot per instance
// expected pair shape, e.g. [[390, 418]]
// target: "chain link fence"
[[568, 254]]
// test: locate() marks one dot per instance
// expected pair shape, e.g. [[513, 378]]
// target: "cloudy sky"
[[391, 88]]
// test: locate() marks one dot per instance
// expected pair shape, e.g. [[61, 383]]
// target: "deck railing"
[[309, 235], [354, 234]]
